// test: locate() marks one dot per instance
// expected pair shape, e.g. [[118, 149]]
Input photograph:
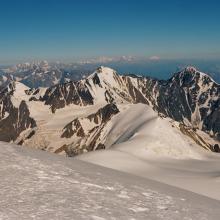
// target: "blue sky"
[[74, 29]]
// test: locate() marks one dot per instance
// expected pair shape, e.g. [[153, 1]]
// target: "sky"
[[78, 29]]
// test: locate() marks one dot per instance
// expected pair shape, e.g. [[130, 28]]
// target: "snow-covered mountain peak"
[[104, 73], [191, 69], [191, 77], [105, 70], [106, 85], [195, 72], [108, 76], [188, 98]]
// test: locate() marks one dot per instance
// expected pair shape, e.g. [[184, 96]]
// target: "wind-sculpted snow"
[[38, 185]]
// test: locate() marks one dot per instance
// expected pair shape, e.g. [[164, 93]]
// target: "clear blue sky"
[[71, 29]]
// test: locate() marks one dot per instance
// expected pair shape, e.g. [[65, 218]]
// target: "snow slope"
[[199, 176], [146, 145], [39, 185], [140, 131]]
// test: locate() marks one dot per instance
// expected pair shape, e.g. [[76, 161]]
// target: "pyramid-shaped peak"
[[191, 69], [104, 70]]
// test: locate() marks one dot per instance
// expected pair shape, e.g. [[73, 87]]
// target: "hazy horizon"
[[152, 67]]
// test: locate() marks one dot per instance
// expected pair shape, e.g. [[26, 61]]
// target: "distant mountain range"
[[105, 109], [42, 74], [45, 74]]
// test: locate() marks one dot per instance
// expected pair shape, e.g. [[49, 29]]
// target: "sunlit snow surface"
[[39, 185]]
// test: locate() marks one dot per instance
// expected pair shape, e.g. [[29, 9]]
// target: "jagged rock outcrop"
[[86, 132], [69, 93], [104, 85], [17, 121], [189, 96], [14, 119]]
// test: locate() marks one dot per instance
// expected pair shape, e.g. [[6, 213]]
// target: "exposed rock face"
[[17, 121], [13, 119], [134, 91], [104, 114], [65, 94], [105, 85], [5, 79], [216, 148], [72, 128], [188, 96], [87, 138], [194, 136]]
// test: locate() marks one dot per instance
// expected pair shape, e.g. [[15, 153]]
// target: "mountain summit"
[[77, 116]]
